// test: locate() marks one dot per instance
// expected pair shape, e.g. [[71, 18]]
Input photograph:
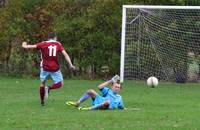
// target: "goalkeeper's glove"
[[114, 79]]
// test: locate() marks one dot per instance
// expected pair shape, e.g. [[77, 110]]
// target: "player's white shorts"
[[56, 76]]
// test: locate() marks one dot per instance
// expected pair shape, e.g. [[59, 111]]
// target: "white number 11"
[[52, 50]]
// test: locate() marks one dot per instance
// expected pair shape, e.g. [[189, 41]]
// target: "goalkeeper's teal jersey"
[[115, 99]]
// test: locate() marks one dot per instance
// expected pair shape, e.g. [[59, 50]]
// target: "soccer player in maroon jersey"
[[49, 63]]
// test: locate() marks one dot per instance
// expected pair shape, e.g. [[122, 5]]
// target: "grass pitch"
[[167, 107]]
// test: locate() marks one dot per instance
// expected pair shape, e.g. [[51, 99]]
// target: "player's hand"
[[24, 44], [115, 79], [72, 67]]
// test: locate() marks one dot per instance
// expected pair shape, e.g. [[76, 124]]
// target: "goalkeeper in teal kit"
[[110, 99]]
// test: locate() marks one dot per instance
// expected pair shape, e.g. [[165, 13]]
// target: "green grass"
[[170, 106]]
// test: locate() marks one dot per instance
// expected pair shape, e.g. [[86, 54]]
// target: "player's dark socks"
[[42, 92], [56, 85]]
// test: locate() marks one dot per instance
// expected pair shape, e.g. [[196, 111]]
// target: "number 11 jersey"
[[49, 54]]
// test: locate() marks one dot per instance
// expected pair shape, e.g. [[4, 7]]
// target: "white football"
[[152, 81]]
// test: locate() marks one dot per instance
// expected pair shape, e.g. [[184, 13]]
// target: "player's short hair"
[[51, 35], [118, 82]]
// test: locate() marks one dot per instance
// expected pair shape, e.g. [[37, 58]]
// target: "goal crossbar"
[[160, 7]]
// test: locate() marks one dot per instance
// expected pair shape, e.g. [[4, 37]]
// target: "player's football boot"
[[70, 103], [42, 103], [83, 108]]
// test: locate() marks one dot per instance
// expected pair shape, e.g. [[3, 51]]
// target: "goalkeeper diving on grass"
[[109, 100]]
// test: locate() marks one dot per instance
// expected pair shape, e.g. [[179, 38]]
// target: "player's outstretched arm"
[[104, 84], [67, 58], [113, 80], [26, 46]]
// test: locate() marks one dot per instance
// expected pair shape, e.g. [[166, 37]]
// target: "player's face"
[[55, 38], [116, 87]]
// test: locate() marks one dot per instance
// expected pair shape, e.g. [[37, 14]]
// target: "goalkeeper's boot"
[[74, 104], [83, 108]]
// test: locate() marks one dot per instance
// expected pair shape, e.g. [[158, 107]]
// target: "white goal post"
[[160, 41]]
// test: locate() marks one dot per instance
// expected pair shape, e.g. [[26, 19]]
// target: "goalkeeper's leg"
[[89, 94], [101, 106], [104, 105]]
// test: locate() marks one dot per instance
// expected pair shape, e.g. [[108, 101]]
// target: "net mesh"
[[162, 42]]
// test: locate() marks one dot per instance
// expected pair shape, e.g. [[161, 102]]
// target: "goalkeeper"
[[110, 98]]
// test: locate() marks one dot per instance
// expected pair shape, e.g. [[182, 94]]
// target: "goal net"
[[160, 41]]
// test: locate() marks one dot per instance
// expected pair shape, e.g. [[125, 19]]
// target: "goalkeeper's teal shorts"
[[98, 99]]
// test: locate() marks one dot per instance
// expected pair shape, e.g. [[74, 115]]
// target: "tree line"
[[90, 31]]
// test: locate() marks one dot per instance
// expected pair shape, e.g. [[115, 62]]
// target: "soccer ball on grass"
[[152, 81]]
